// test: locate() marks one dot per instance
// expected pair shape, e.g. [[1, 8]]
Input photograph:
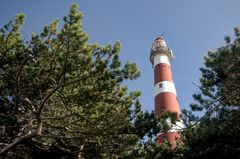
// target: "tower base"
[[171, 137]]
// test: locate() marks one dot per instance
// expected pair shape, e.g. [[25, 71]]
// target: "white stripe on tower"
[[161, 59], [164, 86]]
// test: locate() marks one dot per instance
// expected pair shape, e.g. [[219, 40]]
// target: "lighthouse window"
[[161, 109], [165, 139], [160, 85]]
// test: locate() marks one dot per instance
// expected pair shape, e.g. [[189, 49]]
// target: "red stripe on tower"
[[165, 92]]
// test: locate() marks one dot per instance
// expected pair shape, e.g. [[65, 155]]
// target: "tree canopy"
[[58, 93], [216, 133]]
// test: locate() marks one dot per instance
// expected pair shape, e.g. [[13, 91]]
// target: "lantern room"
[[159, 46]]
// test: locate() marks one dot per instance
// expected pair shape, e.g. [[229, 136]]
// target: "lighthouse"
[[165, 91]]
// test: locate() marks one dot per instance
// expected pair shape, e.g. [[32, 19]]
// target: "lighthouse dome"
[[160, 42], [159, 46]]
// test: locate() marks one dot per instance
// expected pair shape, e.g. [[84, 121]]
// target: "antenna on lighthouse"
[[162, 34]]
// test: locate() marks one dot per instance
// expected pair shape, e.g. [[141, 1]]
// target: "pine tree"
[[216, 134], [58, 93]]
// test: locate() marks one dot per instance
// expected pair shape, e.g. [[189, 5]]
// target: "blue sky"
[[192, 28]]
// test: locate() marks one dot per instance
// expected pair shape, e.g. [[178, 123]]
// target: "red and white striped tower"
[[165, 92]]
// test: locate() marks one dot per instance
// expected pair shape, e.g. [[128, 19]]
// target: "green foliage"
[[58, 93], [148, 128], [216, 133]]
